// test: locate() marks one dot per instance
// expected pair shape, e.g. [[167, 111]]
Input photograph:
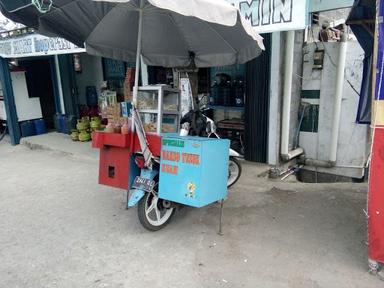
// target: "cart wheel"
[[154, 213], [234, 171]]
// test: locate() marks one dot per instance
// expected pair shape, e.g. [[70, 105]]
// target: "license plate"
[[143, 184]]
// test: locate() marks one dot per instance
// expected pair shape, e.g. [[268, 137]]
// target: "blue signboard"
[[113, 69], [325, 5]]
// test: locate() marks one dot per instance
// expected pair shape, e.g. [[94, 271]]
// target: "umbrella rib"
[[60, 8], [16, 9], [221, 37], [179, 30]]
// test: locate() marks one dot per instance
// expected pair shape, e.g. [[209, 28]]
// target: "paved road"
[[59, 228]]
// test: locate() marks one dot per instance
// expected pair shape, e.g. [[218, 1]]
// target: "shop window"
[[160, 75], [114, 72]]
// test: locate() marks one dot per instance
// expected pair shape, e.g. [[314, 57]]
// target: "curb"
[[41, 147]]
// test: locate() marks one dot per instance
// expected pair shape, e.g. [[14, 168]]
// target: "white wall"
[[27, 108], [3, 115], [91, 75], [353, 138]]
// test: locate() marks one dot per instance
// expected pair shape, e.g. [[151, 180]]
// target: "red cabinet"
[[116, 168]]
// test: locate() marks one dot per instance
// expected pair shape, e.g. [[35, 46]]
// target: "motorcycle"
[[196, 123]]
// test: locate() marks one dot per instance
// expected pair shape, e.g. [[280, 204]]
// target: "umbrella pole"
[[137, 69], [138, 53]]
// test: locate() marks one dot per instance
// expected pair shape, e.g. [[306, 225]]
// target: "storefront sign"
[[326, 5], [173, 143], [36, 45], [274, 15], [114, 69]]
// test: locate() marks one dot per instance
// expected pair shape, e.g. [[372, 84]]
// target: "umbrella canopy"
[[169, 33], [212, 30]]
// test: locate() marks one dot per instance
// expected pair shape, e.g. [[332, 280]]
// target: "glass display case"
[[159, 107]]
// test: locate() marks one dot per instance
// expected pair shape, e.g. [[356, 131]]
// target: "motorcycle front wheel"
[[234, 171]]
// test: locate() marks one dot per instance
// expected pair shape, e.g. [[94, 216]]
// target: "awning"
[[32, 45], [362, 22]]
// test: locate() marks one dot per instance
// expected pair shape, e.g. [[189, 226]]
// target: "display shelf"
[[216, 107], [154, 111], [156, 101], [157, 87]]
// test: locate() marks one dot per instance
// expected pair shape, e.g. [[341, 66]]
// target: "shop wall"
[[319, 90], [3, 113], [277, 79], [296, 88], [9, 101], [91, 75]]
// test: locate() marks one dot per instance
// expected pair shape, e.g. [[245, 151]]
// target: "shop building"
[[44, 77], [268, 125], [35, 83]]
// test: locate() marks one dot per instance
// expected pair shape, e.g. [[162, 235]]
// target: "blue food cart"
[[185, 171]]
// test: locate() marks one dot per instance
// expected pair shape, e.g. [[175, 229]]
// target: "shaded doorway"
[[39, 84]]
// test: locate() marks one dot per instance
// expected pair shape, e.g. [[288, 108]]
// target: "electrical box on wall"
[[318, 58]]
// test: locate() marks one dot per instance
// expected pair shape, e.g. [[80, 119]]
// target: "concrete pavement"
[[59, 228], [61, 144]]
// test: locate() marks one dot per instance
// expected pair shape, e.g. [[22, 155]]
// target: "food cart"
[[160, 171], [184, 170]]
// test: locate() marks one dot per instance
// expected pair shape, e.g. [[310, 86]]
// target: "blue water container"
[[56, 121], [91, 95], [62, 124], [27, 129], [40, 126], [70, 123]]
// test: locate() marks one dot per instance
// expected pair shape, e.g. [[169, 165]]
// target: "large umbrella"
[[169, 33], [165, 32]]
